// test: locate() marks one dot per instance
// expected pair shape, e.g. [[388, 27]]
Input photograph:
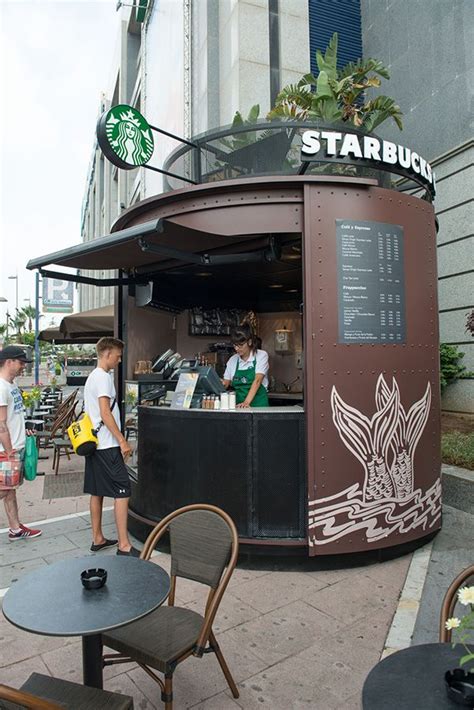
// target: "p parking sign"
[[58, 296], [125, 137]]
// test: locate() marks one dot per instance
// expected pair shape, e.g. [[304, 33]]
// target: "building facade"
[[428, 47]]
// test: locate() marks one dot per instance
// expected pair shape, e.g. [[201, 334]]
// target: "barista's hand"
[[243, 405], [125, 448]]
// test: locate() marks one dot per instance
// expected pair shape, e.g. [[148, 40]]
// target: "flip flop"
[[103, 545]]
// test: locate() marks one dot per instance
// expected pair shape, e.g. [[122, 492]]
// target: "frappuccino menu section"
[[371, 283]]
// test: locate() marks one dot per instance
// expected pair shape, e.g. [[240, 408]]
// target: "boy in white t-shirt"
[[12, 431], [105, 470]]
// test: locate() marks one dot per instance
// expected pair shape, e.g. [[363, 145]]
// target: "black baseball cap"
[[13, 352]]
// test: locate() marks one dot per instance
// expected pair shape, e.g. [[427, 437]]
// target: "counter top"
[[249, 410]]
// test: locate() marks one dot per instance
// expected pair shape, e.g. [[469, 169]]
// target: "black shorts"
[[106, 474]]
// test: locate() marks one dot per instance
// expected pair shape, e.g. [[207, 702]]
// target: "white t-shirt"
[[10, 397], [100, 384], [235, 363]]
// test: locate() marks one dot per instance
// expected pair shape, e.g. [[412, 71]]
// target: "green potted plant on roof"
[[338, 95], [333, 97]]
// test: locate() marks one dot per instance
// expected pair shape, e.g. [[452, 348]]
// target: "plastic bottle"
[[217, 403], [232, 400]]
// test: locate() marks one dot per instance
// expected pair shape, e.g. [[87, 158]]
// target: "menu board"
[[371, 282], [183, 394]]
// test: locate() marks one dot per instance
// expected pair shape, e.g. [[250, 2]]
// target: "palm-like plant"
[[30, 314], [18, 321], [338, 95]]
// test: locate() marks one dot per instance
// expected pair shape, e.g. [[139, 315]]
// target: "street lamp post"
[[15, 278], [5, 300], [37, 350]]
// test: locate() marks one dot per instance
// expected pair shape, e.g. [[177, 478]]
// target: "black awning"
[[109, 252]]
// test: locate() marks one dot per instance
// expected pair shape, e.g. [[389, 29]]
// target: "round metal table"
[[52, 601], [412, 678]]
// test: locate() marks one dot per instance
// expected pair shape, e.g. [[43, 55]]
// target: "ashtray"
[[460, 687], [93, 578]]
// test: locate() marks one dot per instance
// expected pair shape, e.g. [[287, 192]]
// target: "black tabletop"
[[52, 601], [412, 679]]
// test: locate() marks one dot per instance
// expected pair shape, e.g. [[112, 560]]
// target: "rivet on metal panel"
[[323, 458], [373, 372], [361, 372], [320, 330], [348, 372], [322, 428]]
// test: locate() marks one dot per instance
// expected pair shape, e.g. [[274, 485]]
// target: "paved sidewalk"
[[293, 639]]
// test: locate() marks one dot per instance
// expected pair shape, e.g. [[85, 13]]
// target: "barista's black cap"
[[13, 352]]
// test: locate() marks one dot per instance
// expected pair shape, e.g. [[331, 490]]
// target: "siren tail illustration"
[[368, 441]]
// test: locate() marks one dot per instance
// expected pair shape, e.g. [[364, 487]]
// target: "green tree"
[[338, 95], [451, 368], [18, 321], [30, 315]]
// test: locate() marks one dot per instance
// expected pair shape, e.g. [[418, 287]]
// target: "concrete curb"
[[403, 624], [458, 488], [458, 492]]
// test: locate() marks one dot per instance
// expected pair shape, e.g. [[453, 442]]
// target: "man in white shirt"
[[105, 470], [12, 431]]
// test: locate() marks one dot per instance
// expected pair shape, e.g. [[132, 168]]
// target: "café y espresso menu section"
[[371, 282]]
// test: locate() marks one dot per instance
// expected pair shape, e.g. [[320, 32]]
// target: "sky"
[[55, 60]]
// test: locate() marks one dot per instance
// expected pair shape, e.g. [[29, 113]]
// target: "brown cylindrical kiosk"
[[348, 459]]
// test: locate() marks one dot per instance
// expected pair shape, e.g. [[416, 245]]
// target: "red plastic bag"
[[10, 471]]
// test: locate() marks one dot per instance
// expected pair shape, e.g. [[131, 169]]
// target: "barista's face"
[[243, 349]]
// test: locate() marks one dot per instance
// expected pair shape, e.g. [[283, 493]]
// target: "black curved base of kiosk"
[[249, 462]]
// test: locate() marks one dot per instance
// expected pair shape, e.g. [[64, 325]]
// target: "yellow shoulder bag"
[[83, 436]]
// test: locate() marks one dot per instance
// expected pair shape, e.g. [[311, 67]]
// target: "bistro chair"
[[43, 438], [61, 442], [41, 692], [204, 548], [450, 600]]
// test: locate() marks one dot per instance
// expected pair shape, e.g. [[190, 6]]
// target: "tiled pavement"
[[299, 638]]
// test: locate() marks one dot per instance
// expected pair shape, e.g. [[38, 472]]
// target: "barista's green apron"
[[242, 382]]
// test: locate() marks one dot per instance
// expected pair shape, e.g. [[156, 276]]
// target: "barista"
[[247, 370]]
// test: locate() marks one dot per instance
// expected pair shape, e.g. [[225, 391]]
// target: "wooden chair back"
[[19, 698], [204, 548], [449, 602]]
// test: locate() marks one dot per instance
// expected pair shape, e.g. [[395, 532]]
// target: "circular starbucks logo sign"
[[125, 137]]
